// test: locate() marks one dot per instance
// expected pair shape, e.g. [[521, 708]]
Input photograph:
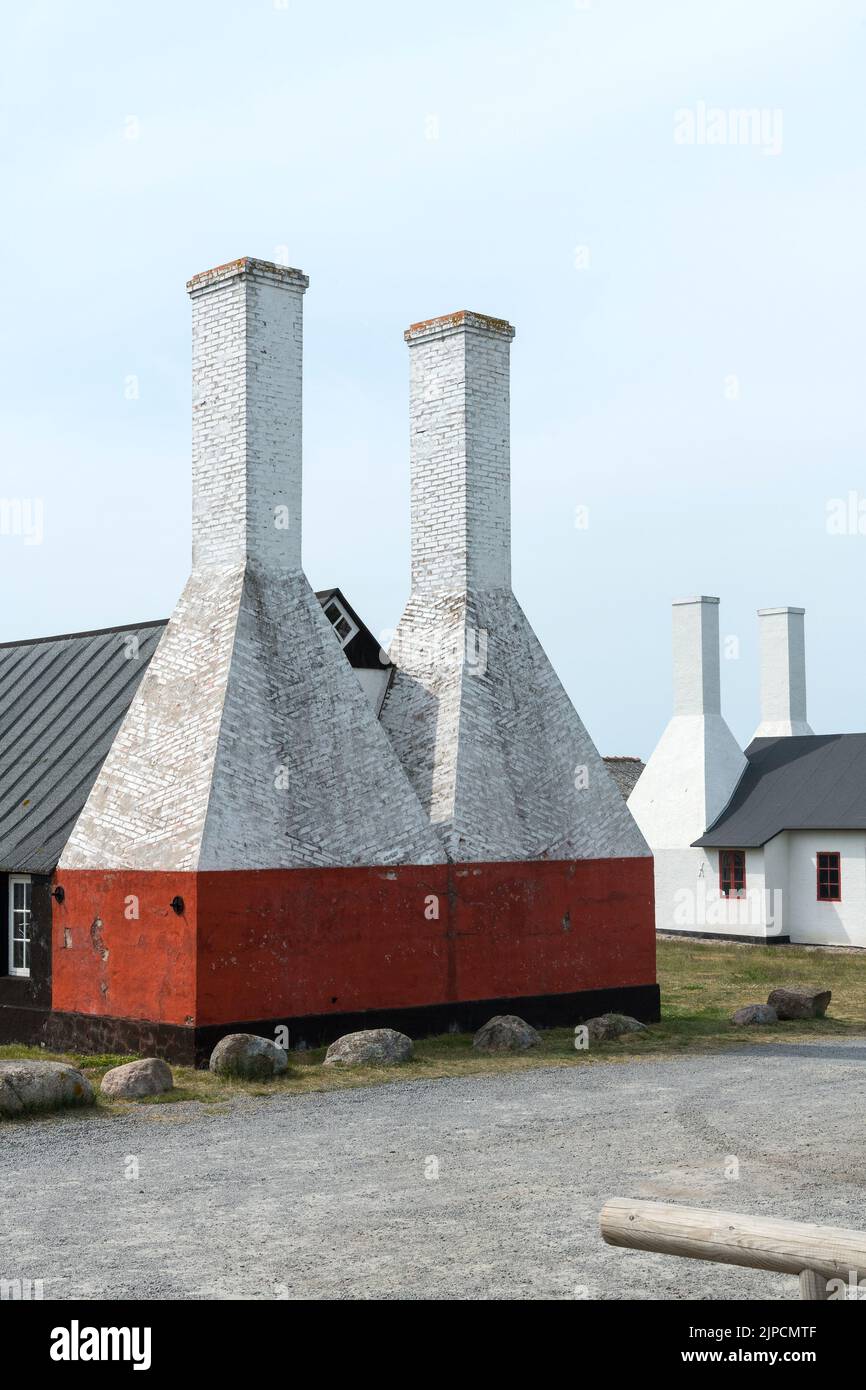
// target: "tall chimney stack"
[[492, 745], [697, 678], [249, 743], [247, 371], [783, 673], [460, 453], [694, 768], [697, 763]]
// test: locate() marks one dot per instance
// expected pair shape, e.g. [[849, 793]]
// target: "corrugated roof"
[[61, 702], [815, 782]]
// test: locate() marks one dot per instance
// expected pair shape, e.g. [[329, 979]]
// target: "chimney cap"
[[700, 598], [771, 612], [453, 323], [242, 268]]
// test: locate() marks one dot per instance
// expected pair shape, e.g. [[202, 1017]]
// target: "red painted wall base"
[[308, 943]]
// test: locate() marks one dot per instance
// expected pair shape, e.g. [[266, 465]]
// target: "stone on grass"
[[798, 1001], [609, 1027], [755, 1013], [506, 1033], [248, 1057], [26, 1086], [372, 1047], [149, 1077]]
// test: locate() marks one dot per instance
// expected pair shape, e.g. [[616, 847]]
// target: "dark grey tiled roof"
[[61, 702], [815, 782], [625, 772]]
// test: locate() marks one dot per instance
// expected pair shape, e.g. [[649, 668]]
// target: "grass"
[[701, 985]]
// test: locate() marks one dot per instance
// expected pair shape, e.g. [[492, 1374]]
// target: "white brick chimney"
[[696, 765], [696, 674], [460, 453], [783, 673], [249, 743], [492, 745], [247, 370], [691, 775]]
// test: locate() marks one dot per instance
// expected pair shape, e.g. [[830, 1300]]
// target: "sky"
[[689, 295]]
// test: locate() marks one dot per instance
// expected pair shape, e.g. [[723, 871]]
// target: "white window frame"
[[13, 880], [343, 641]]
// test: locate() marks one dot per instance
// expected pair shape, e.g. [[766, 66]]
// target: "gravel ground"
[[326, 1196]]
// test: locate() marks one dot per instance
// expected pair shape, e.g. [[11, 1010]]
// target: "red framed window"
[[732, 873], [829, 878]]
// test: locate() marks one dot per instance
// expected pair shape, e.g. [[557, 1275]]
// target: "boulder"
[[609, 1027], [372, 1047], [248, 1057], [149, 1077], [506, 1033], [755, 1013], [26, 1086], [798, 1001]]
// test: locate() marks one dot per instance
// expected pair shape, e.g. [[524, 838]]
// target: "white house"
[[767, 845]]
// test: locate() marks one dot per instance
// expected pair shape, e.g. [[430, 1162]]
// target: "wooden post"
[[813, 1286]]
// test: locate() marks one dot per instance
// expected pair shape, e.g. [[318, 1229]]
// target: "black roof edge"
[[92, 632]]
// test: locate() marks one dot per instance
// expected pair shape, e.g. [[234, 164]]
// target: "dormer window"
[[340, 621]]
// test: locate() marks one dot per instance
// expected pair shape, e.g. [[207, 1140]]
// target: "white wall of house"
[[688, 897], [822, 923], [781, 891]]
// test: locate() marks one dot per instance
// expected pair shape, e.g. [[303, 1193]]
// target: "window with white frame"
[[340, 621], [19, 924]]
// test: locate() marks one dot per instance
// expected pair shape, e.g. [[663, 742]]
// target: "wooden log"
[[756, 1242]]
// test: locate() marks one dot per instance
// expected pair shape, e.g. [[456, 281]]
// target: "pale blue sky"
[[307, 127]]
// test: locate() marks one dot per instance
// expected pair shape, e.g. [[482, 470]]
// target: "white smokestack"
[[492, 745], [460, 453], [783, 673], [697, 687], [247, 373], [697, 763]]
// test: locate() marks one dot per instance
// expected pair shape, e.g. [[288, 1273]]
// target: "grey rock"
[[609, 1027], [798, 1001], [26, 1086], [506, 1033], [249, 1057], [149, 1077], [374, 1047], [755, 1013]]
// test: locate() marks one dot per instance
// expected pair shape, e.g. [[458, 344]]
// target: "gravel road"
[[335, 1195]]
